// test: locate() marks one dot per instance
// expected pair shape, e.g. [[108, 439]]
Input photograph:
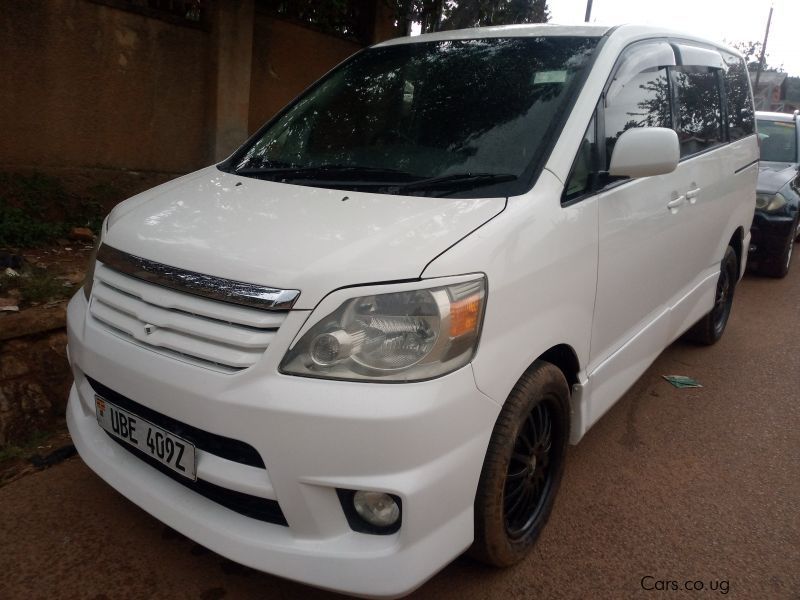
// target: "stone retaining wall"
[[34, 373]]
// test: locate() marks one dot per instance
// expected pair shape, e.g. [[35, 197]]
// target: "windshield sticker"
[[549, 77]]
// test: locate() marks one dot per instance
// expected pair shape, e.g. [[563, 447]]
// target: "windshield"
[[460, 117], [778, 141]]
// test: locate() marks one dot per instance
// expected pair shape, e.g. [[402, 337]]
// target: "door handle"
[[691, 195], [675, 203]]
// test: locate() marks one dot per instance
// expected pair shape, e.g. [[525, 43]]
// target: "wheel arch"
[[564, 357]]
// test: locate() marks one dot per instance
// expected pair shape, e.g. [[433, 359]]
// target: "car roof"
[[626, 32], [539, 29], [775, 116]]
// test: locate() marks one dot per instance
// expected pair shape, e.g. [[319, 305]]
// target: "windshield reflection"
[[467, 110]]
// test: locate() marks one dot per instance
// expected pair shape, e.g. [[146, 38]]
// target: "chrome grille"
[[209, 333]]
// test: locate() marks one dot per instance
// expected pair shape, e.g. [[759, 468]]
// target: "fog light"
[[376, 508]]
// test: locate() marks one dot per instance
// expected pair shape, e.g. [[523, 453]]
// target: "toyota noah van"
[[361, 345]]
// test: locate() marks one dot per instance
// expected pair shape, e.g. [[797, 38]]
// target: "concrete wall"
[[287, 58], [85, 85], [94, 94]]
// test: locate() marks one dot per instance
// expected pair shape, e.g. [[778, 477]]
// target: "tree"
[[751, 50], [438, 15], [480, 13]]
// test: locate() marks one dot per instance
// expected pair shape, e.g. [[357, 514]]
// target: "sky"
[[718, 20]]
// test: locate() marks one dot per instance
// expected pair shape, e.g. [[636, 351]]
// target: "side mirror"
[[644, 152]]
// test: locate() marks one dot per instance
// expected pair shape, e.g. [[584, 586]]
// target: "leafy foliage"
[[354, 19], [29, 446], [37, 286], [479, 13], [20, 229], [36, 209], [438, 15], [344, 18], [751, 50]]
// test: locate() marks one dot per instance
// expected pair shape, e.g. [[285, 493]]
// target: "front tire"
[[523, 467]]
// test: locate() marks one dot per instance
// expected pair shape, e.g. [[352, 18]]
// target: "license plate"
[[168, 449]]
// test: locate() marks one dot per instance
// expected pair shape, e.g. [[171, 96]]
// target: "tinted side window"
[[741, 117], [699, 114], [643, 101]]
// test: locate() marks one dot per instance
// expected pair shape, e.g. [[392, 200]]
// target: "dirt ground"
[[43, 450], [49, 274], [698, 487], [66, 258]]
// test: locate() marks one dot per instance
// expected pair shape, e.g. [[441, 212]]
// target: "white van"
[[361, 344]]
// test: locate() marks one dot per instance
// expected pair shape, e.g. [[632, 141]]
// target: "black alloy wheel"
[[529, 477], [723, 300], [709, 329], [523, 467]]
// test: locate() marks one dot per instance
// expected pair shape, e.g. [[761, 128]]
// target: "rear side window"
[[741, 117], [699, 114], [707, 101]]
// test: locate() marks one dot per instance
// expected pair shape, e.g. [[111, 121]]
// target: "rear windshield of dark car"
[[460, 117]]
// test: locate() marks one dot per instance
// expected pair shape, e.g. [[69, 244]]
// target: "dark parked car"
[[776, 224]]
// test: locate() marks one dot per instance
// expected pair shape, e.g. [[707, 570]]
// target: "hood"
[[288, 236], [772, 176]]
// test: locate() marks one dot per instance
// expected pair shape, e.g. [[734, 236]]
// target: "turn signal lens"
[[465, 316]]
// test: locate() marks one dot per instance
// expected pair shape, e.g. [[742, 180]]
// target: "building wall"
[[86, 85], [287, 58], [96, 94]]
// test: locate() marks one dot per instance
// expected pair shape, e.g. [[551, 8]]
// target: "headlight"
[[88, 280], [403, 336], [770, 202]]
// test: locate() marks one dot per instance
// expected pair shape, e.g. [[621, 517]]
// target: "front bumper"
[[768, 237], [424, 442]]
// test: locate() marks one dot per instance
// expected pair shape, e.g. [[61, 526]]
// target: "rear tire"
[[523, 467], [709, 329]]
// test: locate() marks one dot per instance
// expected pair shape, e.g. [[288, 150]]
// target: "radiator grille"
[[209, 333]]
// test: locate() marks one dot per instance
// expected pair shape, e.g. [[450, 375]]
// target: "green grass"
[[36, 209], [11, 452], [35, 286], [19, 229], [39, 286]]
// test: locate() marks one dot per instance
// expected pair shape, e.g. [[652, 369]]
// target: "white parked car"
[[360, 345]]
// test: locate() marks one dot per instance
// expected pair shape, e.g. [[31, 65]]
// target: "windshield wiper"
[[284, 173], [393, 179], [458, 180]]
